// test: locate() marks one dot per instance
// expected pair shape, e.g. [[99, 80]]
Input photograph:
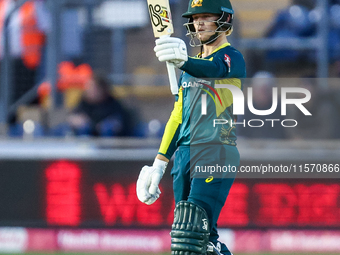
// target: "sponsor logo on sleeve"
[[227, 60]]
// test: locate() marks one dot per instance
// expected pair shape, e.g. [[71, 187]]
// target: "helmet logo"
[[196, 3]]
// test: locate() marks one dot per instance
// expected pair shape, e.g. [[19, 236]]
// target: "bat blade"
[[160, 16], [161, 20]]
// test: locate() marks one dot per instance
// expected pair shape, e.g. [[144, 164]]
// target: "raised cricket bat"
[[161, 21]]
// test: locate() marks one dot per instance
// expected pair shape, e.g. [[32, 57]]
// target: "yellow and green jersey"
[[187, 125]]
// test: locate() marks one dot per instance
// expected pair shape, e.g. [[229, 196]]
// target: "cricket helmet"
[[218, 7], [208, 6]]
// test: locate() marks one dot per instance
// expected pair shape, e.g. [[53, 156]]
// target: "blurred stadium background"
[[60, 192]]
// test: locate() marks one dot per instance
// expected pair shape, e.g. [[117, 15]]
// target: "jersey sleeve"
[[168, 145], [224, 64]]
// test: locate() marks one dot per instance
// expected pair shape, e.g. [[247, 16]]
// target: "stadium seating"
[[255, 16]]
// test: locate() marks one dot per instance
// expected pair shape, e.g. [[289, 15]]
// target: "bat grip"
[[172, 75], [172, 78]]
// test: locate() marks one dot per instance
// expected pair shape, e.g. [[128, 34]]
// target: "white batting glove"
[[171, 49], [148, 180]]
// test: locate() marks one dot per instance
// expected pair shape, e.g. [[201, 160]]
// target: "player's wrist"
[[162, 157], [180, 64], [160, 164]]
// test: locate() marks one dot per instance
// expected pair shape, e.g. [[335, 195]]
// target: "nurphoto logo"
[[239, 102]]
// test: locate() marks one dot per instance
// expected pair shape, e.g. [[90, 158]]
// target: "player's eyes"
[[204, 20]]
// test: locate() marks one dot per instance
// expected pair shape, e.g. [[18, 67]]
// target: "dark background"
[[90, 193]]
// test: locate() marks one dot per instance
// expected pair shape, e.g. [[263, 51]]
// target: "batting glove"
[[171, 49], [148, 180]]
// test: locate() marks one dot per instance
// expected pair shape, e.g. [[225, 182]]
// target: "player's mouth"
[[204, 33]]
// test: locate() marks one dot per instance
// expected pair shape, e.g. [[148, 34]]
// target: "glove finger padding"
[[143, 183], [166, 46], [169, 57], [165, 40], [153, 198], [166, 52], [190, 230], [155, 179], [171, 49]]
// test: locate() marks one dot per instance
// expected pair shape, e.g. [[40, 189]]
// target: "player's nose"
[[199, 24], [199, 21]]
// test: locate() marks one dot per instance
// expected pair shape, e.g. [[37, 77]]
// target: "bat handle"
[[172, 74], [172, 78]]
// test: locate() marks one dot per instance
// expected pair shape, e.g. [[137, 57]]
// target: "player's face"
[[205, 25]]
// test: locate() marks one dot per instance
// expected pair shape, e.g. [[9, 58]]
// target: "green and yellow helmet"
[[208, 6], [219, 7]]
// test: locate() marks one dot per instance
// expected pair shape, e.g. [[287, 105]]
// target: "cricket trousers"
[[195, 179]]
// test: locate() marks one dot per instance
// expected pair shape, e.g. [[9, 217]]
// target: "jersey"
[[190, 122]]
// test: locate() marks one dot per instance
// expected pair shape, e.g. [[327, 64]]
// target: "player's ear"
[[228, 18], [229, 31]]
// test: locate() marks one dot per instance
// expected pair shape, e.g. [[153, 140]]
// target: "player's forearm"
[[172, 129], [168, 145], [203, 68]]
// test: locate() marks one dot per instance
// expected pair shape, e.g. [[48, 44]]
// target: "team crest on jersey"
[[227, 60], [196, 3]]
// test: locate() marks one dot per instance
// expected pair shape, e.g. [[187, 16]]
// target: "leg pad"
[[190, 230]]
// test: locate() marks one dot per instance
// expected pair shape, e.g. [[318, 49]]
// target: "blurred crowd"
[[27, 28], [300, 20], [93, 109]]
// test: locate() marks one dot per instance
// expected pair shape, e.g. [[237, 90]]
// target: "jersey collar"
[[221, 47], [199, 55]]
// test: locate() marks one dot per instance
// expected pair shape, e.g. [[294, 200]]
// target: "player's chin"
[[204, 36]]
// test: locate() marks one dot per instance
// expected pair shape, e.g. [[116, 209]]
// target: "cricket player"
[[190, 133]]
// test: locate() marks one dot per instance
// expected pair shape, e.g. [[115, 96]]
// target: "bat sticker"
[[159, 15]]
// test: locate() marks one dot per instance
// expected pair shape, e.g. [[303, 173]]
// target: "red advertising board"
[[102, 194]]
